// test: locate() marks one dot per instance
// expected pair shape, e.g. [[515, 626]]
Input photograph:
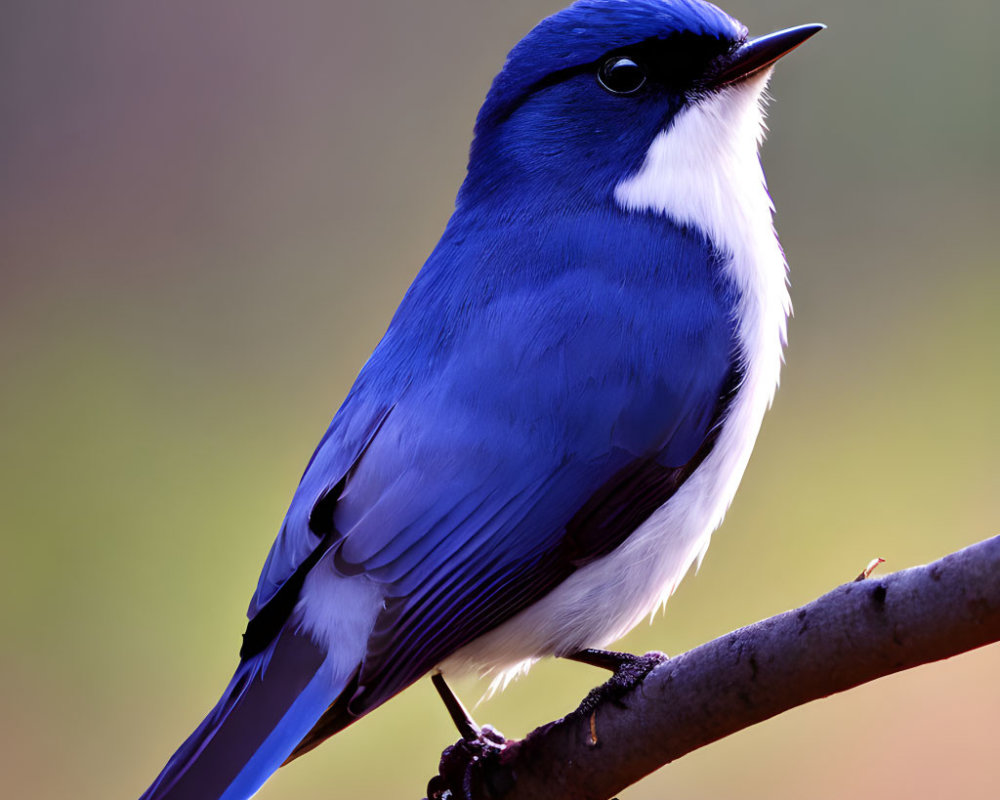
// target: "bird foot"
[[629, 671], [471, 768]]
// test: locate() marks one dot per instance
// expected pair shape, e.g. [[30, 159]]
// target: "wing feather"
[[540, 425]]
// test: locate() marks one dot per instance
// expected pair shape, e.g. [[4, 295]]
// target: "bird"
[[559, 413]]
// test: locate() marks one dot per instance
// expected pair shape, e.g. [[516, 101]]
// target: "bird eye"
[[621, 75]]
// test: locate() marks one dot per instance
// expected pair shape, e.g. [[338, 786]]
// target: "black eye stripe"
[[676, 62], [680, 61]]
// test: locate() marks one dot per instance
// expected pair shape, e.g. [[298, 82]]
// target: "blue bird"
[[560, 410]]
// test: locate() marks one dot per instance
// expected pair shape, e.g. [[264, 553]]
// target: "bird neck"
[[502, 189]]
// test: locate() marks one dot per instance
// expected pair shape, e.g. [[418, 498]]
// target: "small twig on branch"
[[857, 633]]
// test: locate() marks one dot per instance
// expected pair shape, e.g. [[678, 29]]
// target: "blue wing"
[[355, 424], [541, 417]]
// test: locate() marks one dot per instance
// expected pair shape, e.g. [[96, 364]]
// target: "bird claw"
[[629, 672], [471, 768]]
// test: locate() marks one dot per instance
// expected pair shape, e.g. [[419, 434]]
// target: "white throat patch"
[[704, 172]]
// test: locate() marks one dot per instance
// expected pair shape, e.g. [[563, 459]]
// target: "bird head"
[[581, 99]]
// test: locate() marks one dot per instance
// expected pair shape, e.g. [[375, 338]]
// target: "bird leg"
[[629, 671], [467, 727]]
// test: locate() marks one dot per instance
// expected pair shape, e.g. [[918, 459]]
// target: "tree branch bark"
[[857, 633]]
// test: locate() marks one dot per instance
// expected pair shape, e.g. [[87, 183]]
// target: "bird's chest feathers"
[[704, 171], [635, 310]]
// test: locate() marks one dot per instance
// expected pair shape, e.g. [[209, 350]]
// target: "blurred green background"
[[208, 212]]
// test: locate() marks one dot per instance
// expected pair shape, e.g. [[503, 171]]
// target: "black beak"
[[757, 54]]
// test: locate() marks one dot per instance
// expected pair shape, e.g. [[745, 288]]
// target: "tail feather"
[[273, 701], [337, 717]]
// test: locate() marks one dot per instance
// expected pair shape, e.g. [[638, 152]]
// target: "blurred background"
[[208, 212]]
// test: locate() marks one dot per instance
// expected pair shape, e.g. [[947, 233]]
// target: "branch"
[[857, 633]]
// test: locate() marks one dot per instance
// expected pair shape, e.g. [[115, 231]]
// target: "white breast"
[[703, 171]]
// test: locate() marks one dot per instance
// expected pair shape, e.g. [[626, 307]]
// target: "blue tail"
[[272, 702]]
